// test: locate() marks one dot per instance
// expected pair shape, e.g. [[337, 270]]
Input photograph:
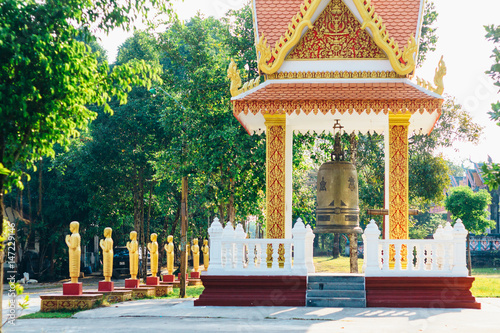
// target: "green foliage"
[[428, 178], [492, 172], [491, 175], [424, 225], [48, 76], [428, 37], [454, 125], [470, 207], [493, 35]]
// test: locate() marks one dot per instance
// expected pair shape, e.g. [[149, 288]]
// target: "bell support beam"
[[276, 140], [398, 175]]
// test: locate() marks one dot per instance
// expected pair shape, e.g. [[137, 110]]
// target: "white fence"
[[442, 256], [231, 253]]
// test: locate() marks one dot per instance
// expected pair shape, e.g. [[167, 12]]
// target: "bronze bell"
[[337, 195]]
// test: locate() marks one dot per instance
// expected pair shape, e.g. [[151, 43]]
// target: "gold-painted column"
[[275, 175], [398, 175]]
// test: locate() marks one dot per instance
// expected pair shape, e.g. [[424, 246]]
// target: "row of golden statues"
[[106, 244]]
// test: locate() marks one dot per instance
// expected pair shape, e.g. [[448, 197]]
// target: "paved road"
[[174, 315]]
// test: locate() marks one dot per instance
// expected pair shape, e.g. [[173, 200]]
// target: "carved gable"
[[336, 34]]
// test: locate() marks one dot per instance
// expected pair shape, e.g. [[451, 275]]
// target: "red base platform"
[[168, 278], [253, 291], [72, 289], [194, 275], [106, 286], [420, 292], [152, 281], [131, 283], [179, 276]]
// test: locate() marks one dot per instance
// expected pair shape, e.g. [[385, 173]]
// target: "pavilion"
[[321, 61]]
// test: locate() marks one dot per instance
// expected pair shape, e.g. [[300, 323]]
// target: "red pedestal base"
[[194, 275], [152, 281], [168, 278], [131, 283], [253, 291], [106, 286], [179, 276], [72, 289], [420, 292]]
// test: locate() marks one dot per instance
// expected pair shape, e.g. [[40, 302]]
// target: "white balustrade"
[[442, 256], [231, 253]]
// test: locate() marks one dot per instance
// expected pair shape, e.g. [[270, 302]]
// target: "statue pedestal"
[[152, 281], [141, 292], [57, 302], [195, 275], [72, 289], [131, 283], [106, 286], [168, 278]]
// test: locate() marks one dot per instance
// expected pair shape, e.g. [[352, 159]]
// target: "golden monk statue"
[[107, 254], [75, 251], [206, 253], [133, 255], [153, 250], [169, 247], [196, 255]]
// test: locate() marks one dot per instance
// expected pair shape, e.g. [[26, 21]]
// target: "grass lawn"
[[339, 265], [49, 315], [487, 283]]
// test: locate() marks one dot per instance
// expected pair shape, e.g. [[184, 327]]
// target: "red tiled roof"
[[273, 17], [400, 17], [338, 91]]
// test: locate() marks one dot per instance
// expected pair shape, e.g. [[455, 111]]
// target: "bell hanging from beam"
[[337, 193]]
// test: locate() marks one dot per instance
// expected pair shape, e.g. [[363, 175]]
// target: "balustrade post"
[[459, 249], [299, 242], [309, 249], [370, 239], [228, 237], [215, 235]]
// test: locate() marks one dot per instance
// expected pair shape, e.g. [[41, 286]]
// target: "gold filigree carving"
[[271, 60], [440, 72], [233, 74], [336, 75], [275, 175], [403, 62], [336, 34], [334, 106], [398, 175]]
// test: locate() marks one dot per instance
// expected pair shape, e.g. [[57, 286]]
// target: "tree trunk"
[[182, 280], [231, 213], [353, 252], [469, 261], [335, 249]]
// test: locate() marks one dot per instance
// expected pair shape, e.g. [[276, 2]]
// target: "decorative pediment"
[[336, 34]]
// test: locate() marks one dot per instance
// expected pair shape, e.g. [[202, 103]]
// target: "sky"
[[461, 41]]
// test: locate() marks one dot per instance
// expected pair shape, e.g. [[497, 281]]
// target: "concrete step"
[[338, 302], [336, 278], [335, 286], [336, 293]]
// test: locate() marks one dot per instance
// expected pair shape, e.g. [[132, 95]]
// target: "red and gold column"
[[398, 175], [275, 175]]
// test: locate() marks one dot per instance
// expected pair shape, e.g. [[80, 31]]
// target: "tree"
[[492, 171], [428, 37], [48, 76], [470, 207]]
